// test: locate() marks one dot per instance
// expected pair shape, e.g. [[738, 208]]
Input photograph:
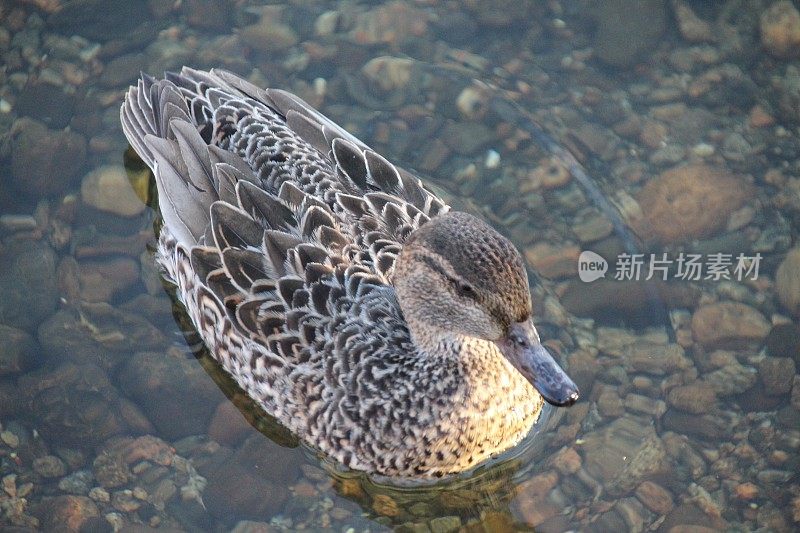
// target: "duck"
[[386, 330]]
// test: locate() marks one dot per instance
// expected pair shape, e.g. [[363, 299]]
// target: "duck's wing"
[[281, 139], [282, 236]]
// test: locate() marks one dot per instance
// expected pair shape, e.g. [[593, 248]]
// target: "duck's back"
[[281, 231]]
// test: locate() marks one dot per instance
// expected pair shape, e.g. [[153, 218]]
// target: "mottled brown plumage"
[[383, 329]]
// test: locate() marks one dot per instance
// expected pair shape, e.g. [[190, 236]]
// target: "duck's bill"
[[524, 350]]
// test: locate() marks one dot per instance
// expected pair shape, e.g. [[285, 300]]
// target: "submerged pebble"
[[692, 201], [45, 162], [108, 189], [49, 466], [728, 324], [623, 454], [780, 29]]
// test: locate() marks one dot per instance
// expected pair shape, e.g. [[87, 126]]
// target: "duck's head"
[[457, 275]]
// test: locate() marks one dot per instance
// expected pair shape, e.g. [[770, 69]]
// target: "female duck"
[[382, 328]]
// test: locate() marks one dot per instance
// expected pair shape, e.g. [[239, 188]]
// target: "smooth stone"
[[99, 334], [623, 454], [696, 398], [253, 482], [614, 341], [390, 23], [268, 35], [66, 513], [735, 147], [9, 398], [161, 382], [75, 405], [500, 13], [49, 466], [550, 173], [157, 309], [627, 30], [228, 426], [608, 301], [690, 202], [656, 359], [638, 403], [100, 20], [100, 281], [610, 520], [108, 189], [732, 378], [692, 28], [209, 14], [250, 526], [681, 451], [466, 138], [78, 482], [532, 502], [553, 261], [567, 461], [445, 524], [19, 351], [165, 54], [705, 426], [609, 403], [122, 70], [780, 29], [789, 417], [456, 28], [777, 375], [17, 223], [47, 103], [44, 162], [655, 497], [388, 73], [670, 154], [689, 518], [758, 401], [597, 139], [787, 282], [27, 283], [591, 226], [728, 325], [784, 341], [583, 367]]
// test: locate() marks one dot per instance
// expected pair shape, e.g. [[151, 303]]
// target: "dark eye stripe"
[[463, 288], [435, 266]]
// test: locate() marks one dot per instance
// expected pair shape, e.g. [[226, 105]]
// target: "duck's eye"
[[464, 288]]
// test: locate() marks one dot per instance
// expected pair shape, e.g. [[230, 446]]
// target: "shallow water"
[[550, 120]]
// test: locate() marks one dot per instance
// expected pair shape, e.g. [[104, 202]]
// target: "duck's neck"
[[431, 342], [437, 345]]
